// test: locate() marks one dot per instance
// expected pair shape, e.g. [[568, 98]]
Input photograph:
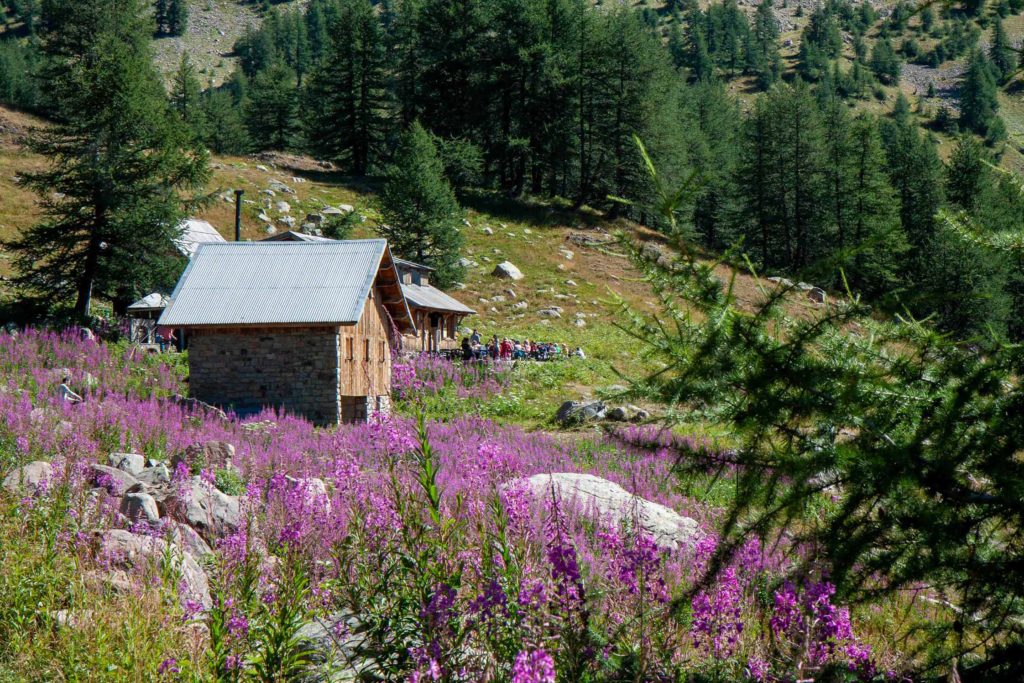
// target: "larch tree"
[[419, 210], [348, 102], [120, 169]]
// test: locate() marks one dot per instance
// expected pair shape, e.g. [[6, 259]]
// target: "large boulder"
[[578, 412], [156, 475], [112, 480], [506, 270], [212, 455], [187, 538], [123, 551], [140, 506], [615, 506], [132, 463], [29, 478], [213, 513]]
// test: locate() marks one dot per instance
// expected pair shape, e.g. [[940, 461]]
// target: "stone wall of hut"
[[293, 368]]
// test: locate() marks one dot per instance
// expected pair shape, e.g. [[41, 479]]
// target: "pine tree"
[[271, 109], [177, 17], [698, 60], [224, 130], [884, 62], [965, 285], [419, 210], [968, 177], [186, 96], [916, 173], [763, 53], [978, 101], [116, 156], [160, 16], [874, 231], [1001, 52], [347, 116]]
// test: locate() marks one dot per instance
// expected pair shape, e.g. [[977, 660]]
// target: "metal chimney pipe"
[[238, 215]]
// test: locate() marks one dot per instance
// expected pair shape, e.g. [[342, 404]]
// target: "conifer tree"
[[885, 63], [271, 108], [698, 60], [347, 112], [1001, 52], [419, 210], [763, 53], [874, 231], [968, 177], [224, 130], [978, 102], [177, 17], [916, 173], [186, 96], [116, 157]]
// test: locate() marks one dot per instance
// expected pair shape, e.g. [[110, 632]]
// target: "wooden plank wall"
[[364, 352]]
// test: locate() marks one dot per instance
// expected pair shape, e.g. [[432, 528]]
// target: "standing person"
[[467, 349], [475, 339]]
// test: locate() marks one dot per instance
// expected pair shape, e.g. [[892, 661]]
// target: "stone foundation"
[[294, 369]]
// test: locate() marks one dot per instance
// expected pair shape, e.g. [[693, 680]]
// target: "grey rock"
[[550, 312], [112, 480], [567, 254], [346, 208], [614, 505], [332, 211], [184, 536], [314, 218], [487, 231], [140, 506], [211, 454], [126, 551], [213, 513], [283, 207], [287, 221], [156, 475], [132, 463], [578, 412], [520, 306], [29, 478], [467, 263], [507, 270], [278, 186], [617, 414]]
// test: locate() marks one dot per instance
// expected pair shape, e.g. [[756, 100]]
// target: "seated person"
[[66, 394]]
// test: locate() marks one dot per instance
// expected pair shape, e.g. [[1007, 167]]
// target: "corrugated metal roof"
[[151, 302], [433, 298], [193, 233], [252, 283]]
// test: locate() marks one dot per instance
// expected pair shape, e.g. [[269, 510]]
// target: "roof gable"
[[283, 283]]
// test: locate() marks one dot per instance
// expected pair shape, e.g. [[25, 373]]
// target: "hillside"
[[569, 260]]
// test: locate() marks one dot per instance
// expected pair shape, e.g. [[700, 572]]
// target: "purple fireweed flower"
[[757, 669], [168, 666], [717, 617], [238, 625], [534, 666]]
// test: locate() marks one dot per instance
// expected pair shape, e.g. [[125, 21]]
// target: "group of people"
[[474, 348]]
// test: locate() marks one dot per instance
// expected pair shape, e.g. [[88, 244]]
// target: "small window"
[[366, 349], [350, 353], [383, 351]]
